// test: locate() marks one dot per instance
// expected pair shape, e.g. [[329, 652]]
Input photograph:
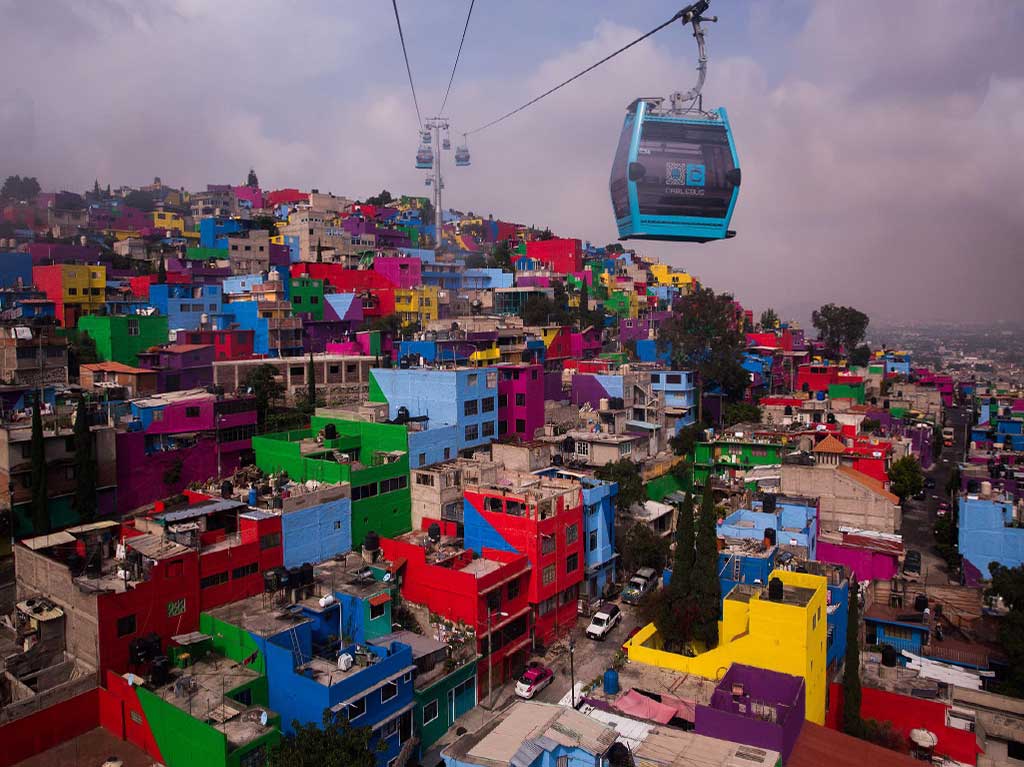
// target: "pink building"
[[520, 400], [247, 194], [401, 271], [585, 344], [868, 554]]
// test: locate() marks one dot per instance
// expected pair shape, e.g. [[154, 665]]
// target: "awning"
[[646, 425], [46, 541], [103, 524], [380, 599]]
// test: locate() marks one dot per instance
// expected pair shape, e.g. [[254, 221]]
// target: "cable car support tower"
[[438, 128]]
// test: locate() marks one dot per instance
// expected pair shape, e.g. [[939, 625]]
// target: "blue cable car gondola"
[[676, 175], [425, 158], [462, 154]]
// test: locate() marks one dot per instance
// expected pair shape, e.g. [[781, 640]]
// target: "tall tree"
[[501, 254], [707, 591], [161, 273], [703, 334], [85, 466], [906, 477], [584, 308], [335, 743], [840, 328], [626, 475], [263, 383], [682, 560], [852, 724], [37, 451], [676, 609], [311, 384], [20, 189], [769, 320]]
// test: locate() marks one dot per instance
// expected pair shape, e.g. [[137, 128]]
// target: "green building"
[[619, 303], [372, 457], [728, 458], [205, 254], [308, 297], [119, 338], [847, 391]]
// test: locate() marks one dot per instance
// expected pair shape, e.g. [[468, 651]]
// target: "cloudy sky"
[[882, 144]]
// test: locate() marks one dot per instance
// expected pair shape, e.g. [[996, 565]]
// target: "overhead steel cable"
[[681, 14], [408, 69], [457, 56]]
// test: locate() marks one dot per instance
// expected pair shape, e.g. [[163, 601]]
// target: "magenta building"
[[401, 271], [756, 707], [180, 366], [520, 400]]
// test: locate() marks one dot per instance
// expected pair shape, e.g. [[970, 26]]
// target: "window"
[[213, 580], [191, 412], [250, 569], [425, 479], [295, 370], [487, 404], [546, 606], [583, 448], [270, 541], [393, 484], [513, 589], [520, 400], [472, 432], [388, 691], [472, 379], [133, 327], [625, 448], [548, 575], [572, 562], [470, 407], [390, 728], [447, 453], [572, 534], [175, 608], [356, 709], [520, 425], [126, 625], [547, 544], [359, 492], [1014, 750], [377, 611], [502, 400], [488, 429], [492, 380], [430, 712], [593, 540], [72, 291]]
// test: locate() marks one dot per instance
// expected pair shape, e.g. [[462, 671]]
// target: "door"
[[451, 705]]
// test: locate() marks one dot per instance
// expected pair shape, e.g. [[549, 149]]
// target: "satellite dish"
[[263, 718], [387, 577]]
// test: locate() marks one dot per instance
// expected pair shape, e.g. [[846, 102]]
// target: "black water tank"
[[768, 503], [295, 577], [920, 603], [330, 431], [307, 573], [556, 460], [372, 541], [403, 414], [160, 671], [137, 651], [434, 531], [270, 581], [974, 486], [403, 363], [226, 489], [283, 577], [775, 590], [889, 656], [769, 535]]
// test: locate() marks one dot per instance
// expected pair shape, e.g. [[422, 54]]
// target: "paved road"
[[919, 517]]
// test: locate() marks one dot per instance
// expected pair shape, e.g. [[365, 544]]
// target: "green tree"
[[626, 475], [706, 589], [384, 198], [688, 436], [266, 223], [584, 308], [954, 481], [538, 310], [769, 320], [262, 382], [20, 189], [390, 324], [678, 610], [140, 201], [476, 261], [546, 235], [161, 273], [740, 412], [334, 743], [852, 724], [39, 508], [81, 351], [642, 547], [84, 501], [870, 425], [311, 385], [839, 327], [1008, 582], [906, 477], [703, 335], [501, 254], [860, 356]]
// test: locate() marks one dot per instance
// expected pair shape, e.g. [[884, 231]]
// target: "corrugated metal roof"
[[46, 541]]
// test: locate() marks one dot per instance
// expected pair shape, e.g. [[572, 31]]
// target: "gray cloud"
[[881, 152]]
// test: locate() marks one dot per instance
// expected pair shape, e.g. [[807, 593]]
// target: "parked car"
[[640, 585], [632, 633], [604, 620], [943, 508], [534, 679], [912, 565]]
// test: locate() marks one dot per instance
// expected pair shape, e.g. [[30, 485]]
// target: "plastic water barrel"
[[252, 496], [611, 682]]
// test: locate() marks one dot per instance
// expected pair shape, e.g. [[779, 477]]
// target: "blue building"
[[213, 233], [647, 351], [679, 391], [457, 408], [247, 316], [989, 532], [485, 279], [792, 521], [15, 270], [185, 305], [316, 526], [890, 627], [241, 284]]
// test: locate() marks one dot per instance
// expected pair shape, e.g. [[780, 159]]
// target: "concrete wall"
[[844, 502]]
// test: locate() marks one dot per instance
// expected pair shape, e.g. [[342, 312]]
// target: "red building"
[[561, 255], [376, 291], [456, 584], [543, 519], [231, 344], [816, 377]]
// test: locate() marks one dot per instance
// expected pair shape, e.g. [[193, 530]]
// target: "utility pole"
[[435, 125]]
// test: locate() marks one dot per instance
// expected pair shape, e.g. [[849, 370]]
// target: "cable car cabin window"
[[684, 170], [618, 186]]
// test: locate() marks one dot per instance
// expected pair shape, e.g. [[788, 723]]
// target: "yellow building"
[[664, 275], [786, 635], [418, 304], [168, 221], [485, 357]]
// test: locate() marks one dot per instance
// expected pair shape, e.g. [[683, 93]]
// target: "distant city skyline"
[[881, 150]]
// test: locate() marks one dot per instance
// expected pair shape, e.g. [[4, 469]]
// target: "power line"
[[681, 14], [457, 55], [405, 53]]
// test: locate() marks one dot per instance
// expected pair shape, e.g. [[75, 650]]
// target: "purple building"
[[180, 366], [640, 329], [756, 707], [520, 400], [386, 238]]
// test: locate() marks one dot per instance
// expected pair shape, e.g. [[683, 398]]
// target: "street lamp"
[[572, 671], [490, 651]]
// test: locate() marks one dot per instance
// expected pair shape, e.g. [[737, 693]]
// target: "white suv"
[[604, 620]]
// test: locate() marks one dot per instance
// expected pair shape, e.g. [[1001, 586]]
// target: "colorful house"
[[179, 366], [187, 307], [75, 289], [520, 400], [122, 338]]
